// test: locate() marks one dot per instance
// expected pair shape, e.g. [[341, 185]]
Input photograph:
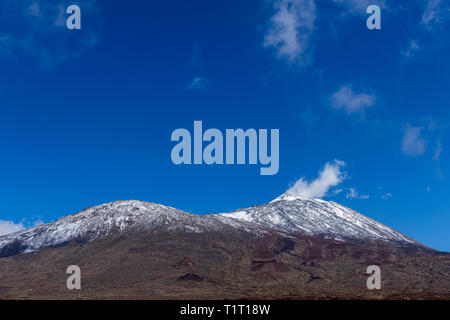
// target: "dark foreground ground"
[[225, 266]]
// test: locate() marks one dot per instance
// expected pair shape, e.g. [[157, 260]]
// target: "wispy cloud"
[[417, 139], [437, 156], [428, 29], [200, 84], [330, 176], [413, 143], [386, 196], [438, 151], [353, 194], [37, 28], [350, 101], [411, 49], [290, 30], [435, 14]]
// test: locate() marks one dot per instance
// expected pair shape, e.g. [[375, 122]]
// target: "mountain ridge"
[[140, 250], [285, 215]]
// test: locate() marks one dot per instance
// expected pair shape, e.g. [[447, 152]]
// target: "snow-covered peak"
[[111, 219], [289, 197], [317, 217]]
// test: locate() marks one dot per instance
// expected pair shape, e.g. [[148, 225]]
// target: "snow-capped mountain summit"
[[285, 215], [111, 219], [288, 197], [317, 217]]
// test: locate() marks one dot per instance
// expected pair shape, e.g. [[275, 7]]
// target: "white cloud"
[[290, 30], [7, 227], [330, 176], [437, 156], [199, 83], [386, 196], [353, 194], [416, 140], [350, 101], [413, 144], [412, 48], [438, 151], [434, 14]]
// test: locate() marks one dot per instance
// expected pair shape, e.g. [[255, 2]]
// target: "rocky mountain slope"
[[212, 265], [290, 248]]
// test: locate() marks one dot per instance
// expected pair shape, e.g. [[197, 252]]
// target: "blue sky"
[[87, 114]]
